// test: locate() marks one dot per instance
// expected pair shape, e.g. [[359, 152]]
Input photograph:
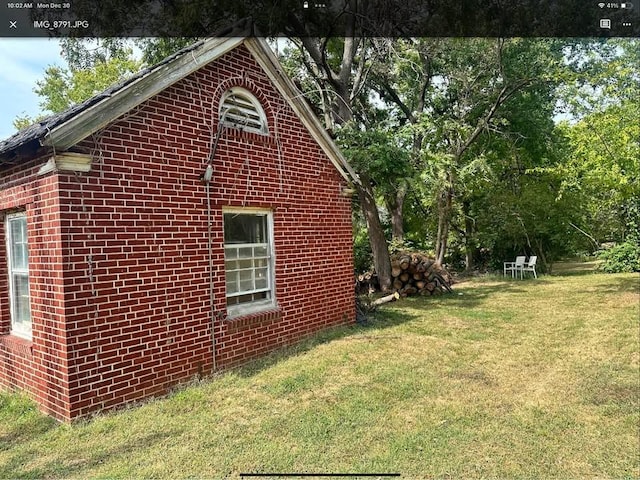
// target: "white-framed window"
[[249, 260], [240, 109], [18, 268]]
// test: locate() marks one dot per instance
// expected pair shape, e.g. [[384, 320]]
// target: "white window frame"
[[261, 304], [245, 113], [19, 328]]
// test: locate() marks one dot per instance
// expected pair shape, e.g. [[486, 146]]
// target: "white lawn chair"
[[530, 266], [514, 267]]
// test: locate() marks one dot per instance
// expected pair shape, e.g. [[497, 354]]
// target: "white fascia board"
[[268, 61], [101, 114], [67, 162]]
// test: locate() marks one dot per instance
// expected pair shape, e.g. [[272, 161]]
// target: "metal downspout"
[[206, 178]]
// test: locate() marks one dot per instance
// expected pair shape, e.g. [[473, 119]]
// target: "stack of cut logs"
[[413, 274]]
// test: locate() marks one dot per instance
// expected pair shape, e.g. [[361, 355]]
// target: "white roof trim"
[[102, 113]]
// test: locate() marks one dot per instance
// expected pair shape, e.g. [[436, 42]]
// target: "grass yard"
[[527, 379]]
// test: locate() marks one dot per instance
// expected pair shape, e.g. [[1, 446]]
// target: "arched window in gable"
[[240, 109]]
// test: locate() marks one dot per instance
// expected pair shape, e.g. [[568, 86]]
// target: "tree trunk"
[[543, 257], [341, 107], [377, 240], [444, 217], [395, 206], [468, 236], [440, 228]]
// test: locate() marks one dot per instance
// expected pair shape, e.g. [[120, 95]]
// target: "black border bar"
[[323, 18]]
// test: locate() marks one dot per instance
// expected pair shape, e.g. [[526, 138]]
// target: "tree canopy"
[[460, 144]]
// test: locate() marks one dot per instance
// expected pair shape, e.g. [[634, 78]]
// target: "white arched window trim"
[[240, 109]]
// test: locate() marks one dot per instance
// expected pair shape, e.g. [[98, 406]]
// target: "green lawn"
[[502, 379]]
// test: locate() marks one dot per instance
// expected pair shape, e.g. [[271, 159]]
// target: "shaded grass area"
[[577, 267], [525, 379]]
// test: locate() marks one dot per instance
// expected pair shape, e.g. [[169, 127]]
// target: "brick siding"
[[39, 366], [119, 257]]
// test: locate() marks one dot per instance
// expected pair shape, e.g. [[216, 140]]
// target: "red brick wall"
[[38, 366], [135, 245]]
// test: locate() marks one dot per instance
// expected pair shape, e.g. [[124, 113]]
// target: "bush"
[[623, 258]]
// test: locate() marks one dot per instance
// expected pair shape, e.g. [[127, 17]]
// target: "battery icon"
[[627, 5]]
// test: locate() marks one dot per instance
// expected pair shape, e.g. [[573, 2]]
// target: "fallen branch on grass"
[[387, 299]]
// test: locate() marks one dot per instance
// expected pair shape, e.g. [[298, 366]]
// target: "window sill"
[[17, 344], [252, 319], [249, 308]]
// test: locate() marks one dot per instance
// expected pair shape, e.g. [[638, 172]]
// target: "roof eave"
[[119, 103]]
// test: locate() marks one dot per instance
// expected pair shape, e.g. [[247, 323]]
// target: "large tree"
[[334, 72], [603, 162], [454, 91]]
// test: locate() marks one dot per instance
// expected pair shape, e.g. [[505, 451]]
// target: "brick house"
[[184, 221]]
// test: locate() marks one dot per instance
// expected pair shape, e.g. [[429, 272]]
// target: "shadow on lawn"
[[390, 316], [619, 285], [566, 268], [61, 464], [28, 423], [255, 366], [412, 308], [478, 294], [23, 426]]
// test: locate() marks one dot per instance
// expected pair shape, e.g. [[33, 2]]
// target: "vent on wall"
[[240, 109]]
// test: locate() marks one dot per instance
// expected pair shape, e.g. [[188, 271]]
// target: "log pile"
[[367, 283], [412, 274], [418, 274]]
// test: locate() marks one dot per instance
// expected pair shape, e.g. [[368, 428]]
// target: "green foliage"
[[475, 107], [156, 49], [622, 258], [92, 66], [405, 245], [381, 154], [61, 87], [23, 121], [83, 54], [362, 255], [601, 167]]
